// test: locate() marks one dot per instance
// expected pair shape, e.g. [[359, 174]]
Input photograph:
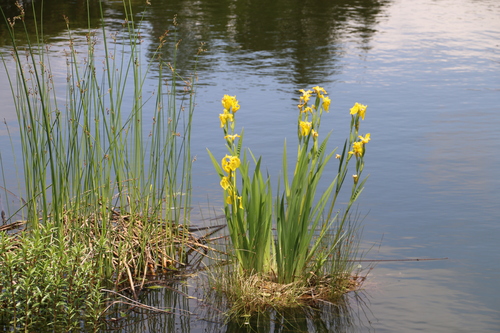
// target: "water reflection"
[[53, 24], [348, 315], [429, 304], [299, 41], [299, 38], [163, 306]]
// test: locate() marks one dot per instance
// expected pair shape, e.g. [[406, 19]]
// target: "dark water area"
[[428, 71]]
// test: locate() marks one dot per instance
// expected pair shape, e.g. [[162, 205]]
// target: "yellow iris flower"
[[224, 183], [305, 128], [230, 102], [318, 90], [326, 103], [357, 148], [230, 163], [234, 163], [365, 139], [359, 109], [306, 95], [232, 137], [225, 117]]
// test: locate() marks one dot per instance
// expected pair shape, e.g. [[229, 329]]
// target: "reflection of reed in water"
[[161, 307], [165, 302], [349, 314], [11, 211]]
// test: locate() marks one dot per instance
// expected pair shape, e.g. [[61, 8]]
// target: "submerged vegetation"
[[106, 194]]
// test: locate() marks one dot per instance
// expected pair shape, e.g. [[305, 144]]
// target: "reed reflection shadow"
[[350, 314], [161, 307]]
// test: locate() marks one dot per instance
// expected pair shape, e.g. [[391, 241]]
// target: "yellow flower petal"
[[224, 183], [225, 163], [234, 163], [232, 137]]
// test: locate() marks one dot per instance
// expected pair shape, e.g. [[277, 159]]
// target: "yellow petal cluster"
[[230, 103], [319, 90], [365, 139], [224, 183], [359, 109], [230, 163], [225, 117], [357, 148], [232, 137], [306, 95], [305, 128], [326, 103]]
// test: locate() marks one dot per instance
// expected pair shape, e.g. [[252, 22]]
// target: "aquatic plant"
[[48, 285], [95, 180], [313, 242], [248, 209]]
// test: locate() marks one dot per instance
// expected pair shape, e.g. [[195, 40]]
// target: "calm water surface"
[[429, 72]]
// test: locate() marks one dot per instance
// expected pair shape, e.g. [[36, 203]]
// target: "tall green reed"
[[90, 168]]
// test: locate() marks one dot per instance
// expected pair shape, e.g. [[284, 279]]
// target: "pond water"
[[428, 71]]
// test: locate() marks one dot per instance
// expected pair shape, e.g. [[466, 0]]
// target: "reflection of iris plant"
[[304, 222]]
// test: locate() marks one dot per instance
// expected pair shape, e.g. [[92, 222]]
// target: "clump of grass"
[[311, 254], [245, 295]]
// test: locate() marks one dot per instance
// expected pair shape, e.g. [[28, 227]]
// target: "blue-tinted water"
[[429, 72]]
